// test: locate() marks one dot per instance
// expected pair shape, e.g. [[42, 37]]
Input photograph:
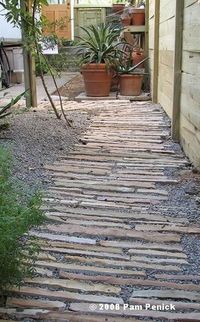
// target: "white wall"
[[7, 31]]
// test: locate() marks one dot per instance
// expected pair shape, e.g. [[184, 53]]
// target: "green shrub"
[[18, 213], [40, 67], [65, 60], [5, 110]]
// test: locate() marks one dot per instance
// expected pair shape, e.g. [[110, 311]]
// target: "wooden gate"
[[58, 16], [85, 17]]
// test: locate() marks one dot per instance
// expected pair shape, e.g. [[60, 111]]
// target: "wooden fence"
[[174, 50]]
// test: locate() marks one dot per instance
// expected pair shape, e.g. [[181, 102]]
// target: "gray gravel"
[[36, 138]]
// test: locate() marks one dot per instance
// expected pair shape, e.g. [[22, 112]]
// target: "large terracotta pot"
[[97, 80], [138, 17], [137, 57], [130, 85]]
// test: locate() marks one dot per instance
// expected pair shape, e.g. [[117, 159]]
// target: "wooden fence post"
[[29, 64], [156, 52], [177, 70]]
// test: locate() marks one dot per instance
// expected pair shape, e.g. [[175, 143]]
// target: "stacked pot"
[[133, 16]]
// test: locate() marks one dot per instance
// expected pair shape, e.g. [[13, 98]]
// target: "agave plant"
[[5, 110], [126, 68], [100, 45], [125, 65]]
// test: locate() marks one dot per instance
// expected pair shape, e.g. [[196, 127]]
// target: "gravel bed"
[[37, 138]]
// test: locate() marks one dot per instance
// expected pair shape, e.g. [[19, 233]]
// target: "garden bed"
[[36, 137]]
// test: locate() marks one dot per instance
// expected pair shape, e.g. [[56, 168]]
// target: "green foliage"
[[40, 66], [100, 45], [18, 214], [125, 64], [5, 110], [120, 1], [21, 16], [126, 67], [65, 60], [28, 17]]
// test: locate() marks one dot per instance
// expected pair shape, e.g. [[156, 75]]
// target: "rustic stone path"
[[104, 248]]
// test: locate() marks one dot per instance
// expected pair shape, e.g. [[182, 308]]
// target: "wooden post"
[[29, 65], [156, 52], [32, 80], [177, 70], [146, 46], [26, 77]]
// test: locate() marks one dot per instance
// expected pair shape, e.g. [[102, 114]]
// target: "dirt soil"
[[72, 88]]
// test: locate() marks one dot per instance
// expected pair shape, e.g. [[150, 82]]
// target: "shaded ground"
[[72, 88]]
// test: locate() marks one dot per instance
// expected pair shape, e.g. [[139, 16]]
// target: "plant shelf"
[[135, 29]]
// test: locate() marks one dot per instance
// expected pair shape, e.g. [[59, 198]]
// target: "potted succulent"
[[130, 77], [99, 51]]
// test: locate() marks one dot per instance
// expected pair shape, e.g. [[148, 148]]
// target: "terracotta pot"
[[130, 85], [137, 57], [138, 17], [118, 8], [97, 80], [126, 21]]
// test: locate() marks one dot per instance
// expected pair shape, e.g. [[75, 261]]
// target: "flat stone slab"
[[142, 97], [84, 97], [113, 96]]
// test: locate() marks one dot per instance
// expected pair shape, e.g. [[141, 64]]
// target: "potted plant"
[[125, 18], [138, 16], [137, 56], [130, 77], [99, 51], [118, 6]]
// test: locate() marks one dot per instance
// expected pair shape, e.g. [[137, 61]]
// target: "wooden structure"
[[85, 16], [59, 17], [174, 50], [89, 12]]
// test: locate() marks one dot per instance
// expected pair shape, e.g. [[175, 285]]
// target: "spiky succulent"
[[99, 45]]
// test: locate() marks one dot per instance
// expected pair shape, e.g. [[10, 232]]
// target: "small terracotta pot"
[[97, 80], [126, 21], [138, 17], [118, 8], [137, 57], [130, 85]]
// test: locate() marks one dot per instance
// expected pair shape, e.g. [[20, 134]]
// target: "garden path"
[[111, 241]]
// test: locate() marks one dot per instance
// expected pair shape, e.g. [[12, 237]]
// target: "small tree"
[[27, 16]]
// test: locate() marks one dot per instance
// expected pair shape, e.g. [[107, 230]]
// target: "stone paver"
[[103, 248]]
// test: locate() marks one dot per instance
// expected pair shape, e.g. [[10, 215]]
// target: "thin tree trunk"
[[57, 89]]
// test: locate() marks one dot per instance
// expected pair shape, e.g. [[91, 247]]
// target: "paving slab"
[[16, 89]]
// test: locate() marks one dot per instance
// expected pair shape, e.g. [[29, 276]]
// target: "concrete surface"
[[113, 95], [16, 89]]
